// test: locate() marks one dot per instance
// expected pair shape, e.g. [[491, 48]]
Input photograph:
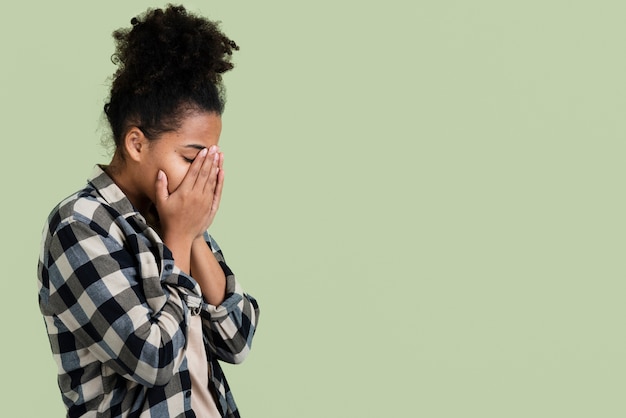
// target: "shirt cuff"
[[234, 295]]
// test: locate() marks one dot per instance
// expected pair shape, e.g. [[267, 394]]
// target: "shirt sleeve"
[[230, 327], [112, 300]]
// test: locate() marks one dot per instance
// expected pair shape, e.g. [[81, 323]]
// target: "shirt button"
[[188, 394], [168, 267]]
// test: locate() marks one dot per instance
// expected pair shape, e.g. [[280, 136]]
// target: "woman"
[[138, 301]]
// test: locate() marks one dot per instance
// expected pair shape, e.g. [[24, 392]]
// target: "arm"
[[229, 326], [206, 270], [97, 289]]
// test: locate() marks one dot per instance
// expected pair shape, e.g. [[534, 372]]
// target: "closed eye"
[[189, 160]]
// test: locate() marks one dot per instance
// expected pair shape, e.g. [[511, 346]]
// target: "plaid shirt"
[[117, 308]]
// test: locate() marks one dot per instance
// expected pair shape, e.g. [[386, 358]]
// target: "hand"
[[188, 211]]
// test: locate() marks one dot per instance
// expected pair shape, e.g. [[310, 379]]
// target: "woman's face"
[[174, 151]]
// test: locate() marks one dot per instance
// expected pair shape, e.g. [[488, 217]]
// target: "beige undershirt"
[[202, 401]]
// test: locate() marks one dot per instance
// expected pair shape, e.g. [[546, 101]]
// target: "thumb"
[[161, 187]]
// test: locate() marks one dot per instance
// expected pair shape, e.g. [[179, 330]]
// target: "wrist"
[[181, 251], [198, 246]]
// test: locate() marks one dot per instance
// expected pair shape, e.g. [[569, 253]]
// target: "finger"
[[194, 170], [217, 197], [161, 187], [207, 166], [211, 178], [221, 164]]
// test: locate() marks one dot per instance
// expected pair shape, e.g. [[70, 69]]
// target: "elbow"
[[156, 365], [145, 375], [234, 357], [153, 377], [162, 379], [235, 350]]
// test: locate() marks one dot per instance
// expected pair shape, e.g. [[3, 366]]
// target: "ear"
[[135, 144]]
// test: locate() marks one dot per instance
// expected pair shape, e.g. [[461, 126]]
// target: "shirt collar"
[[111, 193]]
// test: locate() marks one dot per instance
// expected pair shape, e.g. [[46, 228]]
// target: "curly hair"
[[169, 62]]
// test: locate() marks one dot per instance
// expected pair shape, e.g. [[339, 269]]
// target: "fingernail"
[[160, 175], [203, 152], [213, 149]]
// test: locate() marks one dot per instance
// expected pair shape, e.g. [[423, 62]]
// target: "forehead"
[[197, 131]]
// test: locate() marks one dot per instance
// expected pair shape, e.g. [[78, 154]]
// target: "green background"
[[426, 198]]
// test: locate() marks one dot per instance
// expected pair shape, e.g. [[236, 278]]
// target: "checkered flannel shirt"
[[117, 309]]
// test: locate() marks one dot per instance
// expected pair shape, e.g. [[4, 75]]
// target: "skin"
[[179, 176]]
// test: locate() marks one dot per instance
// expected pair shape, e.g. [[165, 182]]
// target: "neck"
[[123, 176]]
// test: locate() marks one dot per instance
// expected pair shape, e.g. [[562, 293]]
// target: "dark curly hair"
[[169, 63]]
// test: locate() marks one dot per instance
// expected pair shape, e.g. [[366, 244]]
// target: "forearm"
[[206, 270], [181, 251]]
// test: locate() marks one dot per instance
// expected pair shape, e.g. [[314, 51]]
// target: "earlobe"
[[135, 143]]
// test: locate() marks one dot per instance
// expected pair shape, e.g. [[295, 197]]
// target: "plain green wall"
[[427, 199]]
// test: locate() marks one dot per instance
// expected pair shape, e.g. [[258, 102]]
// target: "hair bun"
[[172, 44]]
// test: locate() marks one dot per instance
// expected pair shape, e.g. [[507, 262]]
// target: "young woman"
[[138, 301]]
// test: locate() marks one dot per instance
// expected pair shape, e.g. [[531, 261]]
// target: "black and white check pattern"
[[115, 309]]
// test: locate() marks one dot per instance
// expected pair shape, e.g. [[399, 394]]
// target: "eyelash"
[[189, 160]]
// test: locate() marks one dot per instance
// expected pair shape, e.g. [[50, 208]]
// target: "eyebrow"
[[196, 146]]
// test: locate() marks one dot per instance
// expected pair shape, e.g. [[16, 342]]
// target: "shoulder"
[[83, 206]]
